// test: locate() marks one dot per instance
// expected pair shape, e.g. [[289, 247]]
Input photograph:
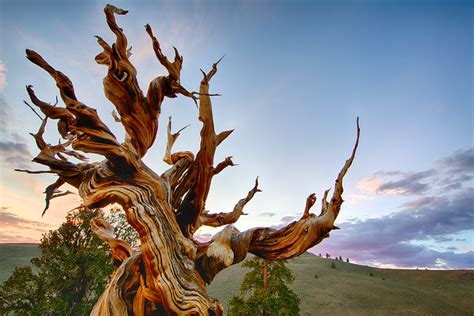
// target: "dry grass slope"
[[357, 290], [347, 290], [15, 255]]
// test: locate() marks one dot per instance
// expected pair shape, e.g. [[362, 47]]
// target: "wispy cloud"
[[457, 169], [18, 229], [408, 183], [13, 149], [267, 214], [448, 174], [9, 219], [15, 154], [435, 215], [3, 78]]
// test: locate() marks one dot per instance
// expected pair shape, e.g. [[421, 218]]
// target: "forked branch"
[[220, 219], [197, 181]]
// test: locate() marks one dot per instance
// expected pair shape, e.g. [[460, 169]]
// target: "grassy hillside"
[[351, 290], [347, 290], [15, 255]]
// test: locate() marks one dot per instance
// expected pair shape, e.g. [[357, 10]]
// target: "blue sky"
[[295, 76]]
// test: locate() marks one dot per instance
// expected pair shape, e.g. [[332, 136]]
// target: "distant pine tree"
[[264, 290]]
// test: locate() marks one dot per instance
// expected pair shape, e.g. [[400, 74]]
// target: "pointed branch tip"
[[34, 110], [217, 62]]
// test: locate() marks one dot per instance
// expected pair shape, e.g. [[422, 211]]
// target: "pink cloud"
[[23, 197], [370, 185], [18, 229]]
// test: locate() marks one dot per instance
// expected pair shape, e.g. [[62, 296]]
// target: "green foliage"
[[73, 270], [276, 299], [333, 265], [15, 293], [122, 228]]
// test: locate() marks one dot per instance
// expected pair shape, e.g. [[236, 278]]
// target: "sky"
[[295, 76]]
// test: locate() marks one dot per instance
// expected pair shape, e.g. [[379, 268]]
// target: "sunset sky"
[[295, 76]]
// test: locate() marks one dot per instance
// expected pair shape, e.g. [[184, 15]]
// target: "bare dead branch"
[[64, 116], [309, 203], [92, 135], [222, 136], [121, 41], [324, 202], [119, 249], [168, 158], [34, 171], [219, 219], [336, 200], [32, 109], [170, 85], [223, 164], [198, 180], [50, 191]]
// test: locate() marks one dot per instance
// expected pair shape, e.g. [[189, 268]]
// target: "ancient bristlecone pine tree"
[[169, 273]]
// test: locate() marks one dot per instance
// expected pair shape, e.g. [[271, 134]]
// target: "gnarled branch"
[[219, 219], [91, 134], [230, 246], [223, 164], [198, 179], [119, 248]]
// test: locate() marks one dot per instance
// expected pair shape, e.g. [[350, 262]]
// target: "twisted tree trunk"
[[169, 273]]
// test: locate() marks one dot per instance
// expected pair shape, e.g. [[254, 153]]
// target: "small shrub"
[[316, 276], [371, 274], [333, 265]]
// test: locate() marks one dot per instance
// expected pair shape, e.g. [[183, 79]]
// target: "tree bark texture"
[[169, 273]]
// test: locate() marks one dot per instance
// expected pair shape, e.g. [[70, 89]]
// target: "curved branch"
[[222, 136], [121, 40], [220, 219], [92, 135], [170, 85], [50, 192], [223, 164], [336, 201], [324, 202], [65, 117], [169, 158], [174, 68], [121, 87], [119, 248], [67, 171], [33, 171], [309, 203], [231, 246]]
